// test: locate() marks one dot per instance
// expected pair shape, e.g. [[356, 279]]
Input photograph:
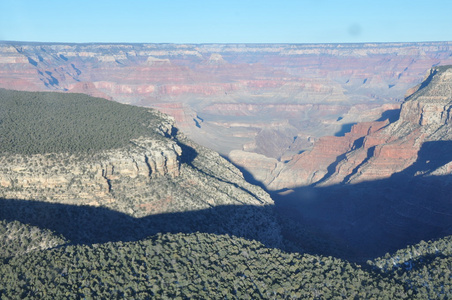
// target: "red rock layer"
[[377, 150], [316, 165]]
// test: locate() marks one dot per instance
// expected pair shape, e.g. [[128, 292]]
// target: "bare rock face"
[[424, 117], [262, 168], [430, 104], [317, 164], [77, 179]]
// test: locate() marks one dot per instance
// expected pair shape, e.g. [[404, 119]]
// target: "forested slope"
[[181, 266], [206, 266]]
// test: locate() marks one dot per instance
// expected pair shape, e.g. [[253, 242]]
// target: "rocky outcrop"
[[372, 151], [261, 168], [424, 117], [76, 179], [430, 104], [318, 164]]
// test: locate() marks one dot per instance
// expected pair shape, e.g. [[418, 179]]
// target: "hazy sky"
[[232, 21]]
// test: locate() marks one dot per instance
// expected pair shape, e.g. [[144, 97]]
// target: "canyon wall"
[[320, 125], [377, 150]]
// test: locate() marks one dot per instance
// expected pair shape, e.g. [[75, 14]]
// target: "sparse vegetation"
[[17, 239]]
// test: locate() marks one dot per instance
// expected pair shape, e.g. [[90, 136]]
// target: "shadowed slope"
[[91, 225], [356, 222], [371, 218]]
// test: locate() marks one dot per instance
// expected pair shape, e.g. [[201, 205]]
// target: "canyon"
[[377, 150], [349, 139]]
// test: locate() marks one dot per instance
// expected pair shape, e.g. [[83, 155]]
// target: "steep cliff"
[[424, 118], [378, 150]]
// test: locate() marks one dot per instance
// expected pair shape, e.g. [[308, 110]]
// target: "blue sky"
[[218, 21]]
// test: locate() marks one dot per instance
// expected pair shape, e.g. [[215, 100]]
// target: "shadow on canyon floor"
[[90, 225], [366, 220], [83, 224], [391, 115], [345, 128]]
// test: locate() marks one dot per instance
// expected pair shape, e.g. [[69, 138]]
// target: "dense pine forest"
[[205, 266], [32, 123]]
